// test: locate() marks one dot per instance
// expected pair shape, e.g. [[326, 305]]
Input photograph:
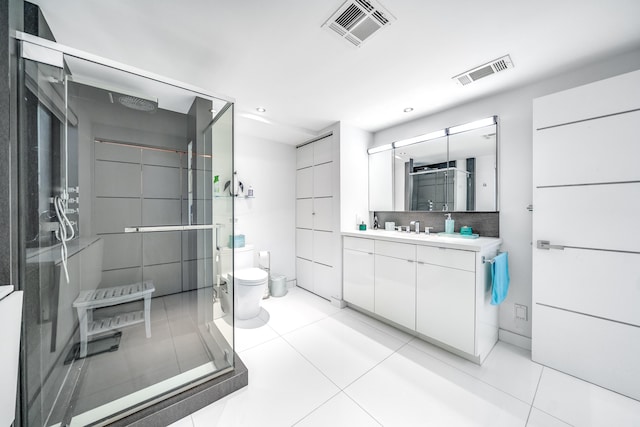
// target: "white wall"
[[514, 109], [354, 177], [268, 220]]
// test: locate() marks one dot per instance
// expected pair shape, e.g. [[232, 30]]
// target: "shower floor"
[[177, 345]]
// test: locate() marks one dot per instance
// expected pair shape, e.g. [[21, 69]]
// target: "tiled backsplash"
[[486, 224]]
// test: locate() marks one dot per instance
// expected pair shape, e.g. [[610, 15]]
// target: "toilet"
[[249, 282]]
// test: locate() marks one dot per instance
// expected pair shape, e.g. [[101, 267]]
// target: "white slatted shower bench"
[[89, 300]]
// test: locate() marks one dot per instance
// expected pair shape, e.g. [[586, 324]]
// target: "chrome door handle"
[[545, 244]]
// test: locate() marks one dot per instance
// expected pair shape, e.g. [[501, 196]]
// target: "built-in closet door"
[[317, 238], [586, 264]]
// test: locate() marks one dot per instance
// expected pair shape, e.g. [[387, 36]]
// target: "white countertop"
[[476, 245]]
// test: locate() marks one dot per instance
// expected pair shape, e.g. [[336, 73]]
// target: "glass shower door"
[[118, 221]]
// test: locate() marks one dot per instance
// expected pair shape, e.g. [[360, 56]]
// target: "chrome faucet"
[[417, 224]]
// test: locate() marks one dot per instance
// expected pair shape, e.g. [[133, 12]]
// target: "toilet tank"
[[244, 258]]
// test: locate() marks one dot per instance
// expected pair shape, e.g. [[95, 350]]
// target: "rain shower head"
[[137, 103], [134, 102]]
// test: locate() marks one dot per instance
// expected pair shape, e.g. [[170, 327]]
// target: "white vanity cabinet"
[[395, 282], [446, 295], [436, 288], [358, 268]]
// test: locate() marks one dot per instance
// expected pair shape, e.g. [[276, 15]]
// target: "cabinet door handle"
[[410, 260], [420, 262]]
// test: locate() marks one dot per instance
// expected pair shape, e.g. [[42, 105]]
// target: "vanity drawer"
[[453, 258], [395, 250], [358, 244]]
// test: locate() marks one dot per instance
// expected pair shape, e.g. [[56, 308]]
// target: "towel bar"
[[489, 261]]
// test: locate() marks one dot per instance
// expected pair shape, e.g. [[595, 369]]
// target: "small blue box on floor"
[[236, 241]]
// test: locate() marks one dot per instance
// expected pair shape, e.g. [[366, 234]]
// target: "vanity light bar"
[[420, 138], [436, 134], [380, 148], [472, 125]]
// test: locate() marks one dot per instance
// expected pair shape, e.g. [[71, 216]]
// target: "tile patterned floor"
[[314, 365]]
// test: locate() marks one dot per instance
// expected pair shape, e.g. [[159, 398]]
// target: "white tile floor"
[[311, 364]]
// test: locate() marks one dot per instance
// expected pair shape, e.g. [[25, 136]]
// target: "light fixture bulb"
[[472, 125], [261, 110], [380, 148], [408, 110], [420, 138]]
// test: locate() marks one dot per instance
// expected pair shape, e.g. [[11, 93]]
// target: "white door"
[[586, 257]]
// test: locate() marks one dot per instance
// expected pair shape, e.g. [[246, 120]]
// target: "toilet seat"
[[250, 276]]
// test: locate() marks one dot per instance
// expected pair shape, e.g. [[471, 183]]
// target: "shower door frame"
[[27, 40]]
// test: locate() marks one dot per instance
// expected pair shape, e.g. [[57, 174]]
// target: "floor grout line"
[[534, 396], [473, 376]]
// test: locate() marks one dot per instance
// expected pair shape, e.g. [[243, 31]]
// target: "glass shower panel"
[[120, 258]]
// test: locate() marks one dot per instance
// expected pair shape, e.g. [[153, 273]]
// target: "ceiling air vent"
[[357, 20], [485, 70]]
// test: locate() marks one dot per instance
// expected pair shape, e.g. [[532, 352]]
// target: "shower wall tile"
[[112, 215], [197, 244], [161, 212], [118, 153], [161, 158], [198, 274], [161, 247], [202, 211], [125, 276], [122, 251], [114, 179], [167, 278], [161, 182]]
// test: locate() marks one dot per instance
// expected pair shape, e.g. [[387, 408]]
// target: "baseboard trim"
[[515, 339]]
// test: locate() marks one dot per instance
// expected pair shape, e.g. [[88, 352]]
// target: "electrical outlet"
[[521, 312]]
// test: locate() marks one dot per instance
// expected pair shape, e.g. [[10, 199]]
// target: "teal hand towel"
[[499, 278]]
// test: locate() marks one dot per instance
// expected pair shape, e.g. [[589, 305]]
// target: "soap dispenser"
[[448, 224]]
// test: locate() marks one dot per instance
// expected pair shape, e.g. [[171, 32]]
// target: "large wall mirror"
[[450, 170]]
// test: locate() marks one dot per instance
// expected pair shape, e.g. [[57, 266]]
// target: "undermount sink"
[[458, 235]]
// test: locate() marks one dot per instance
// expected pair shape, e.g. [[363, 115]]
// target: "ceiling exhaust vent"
[[485, 70], [357, 20]]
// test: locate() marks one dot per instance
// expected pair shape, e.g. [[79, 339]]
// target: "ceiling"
[[274, 54]]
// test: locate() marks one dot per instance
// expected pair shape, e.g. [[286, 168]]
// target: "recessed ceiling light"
[[261, 110], [408, 110]]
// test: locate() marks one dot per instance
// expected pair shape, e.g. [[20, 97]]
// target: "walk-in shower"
[[118, 230]]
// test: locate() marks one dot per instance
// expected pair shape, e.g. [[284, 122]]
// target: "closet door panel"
[[304, 213], [304, 243], [323, 150], [304, 274], [323, 214], [304, 183], [323, 247], [304, 156], [323, 180]]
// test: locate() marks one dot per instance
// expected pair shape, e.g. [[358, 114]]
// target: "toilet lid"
[[251, 276]]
